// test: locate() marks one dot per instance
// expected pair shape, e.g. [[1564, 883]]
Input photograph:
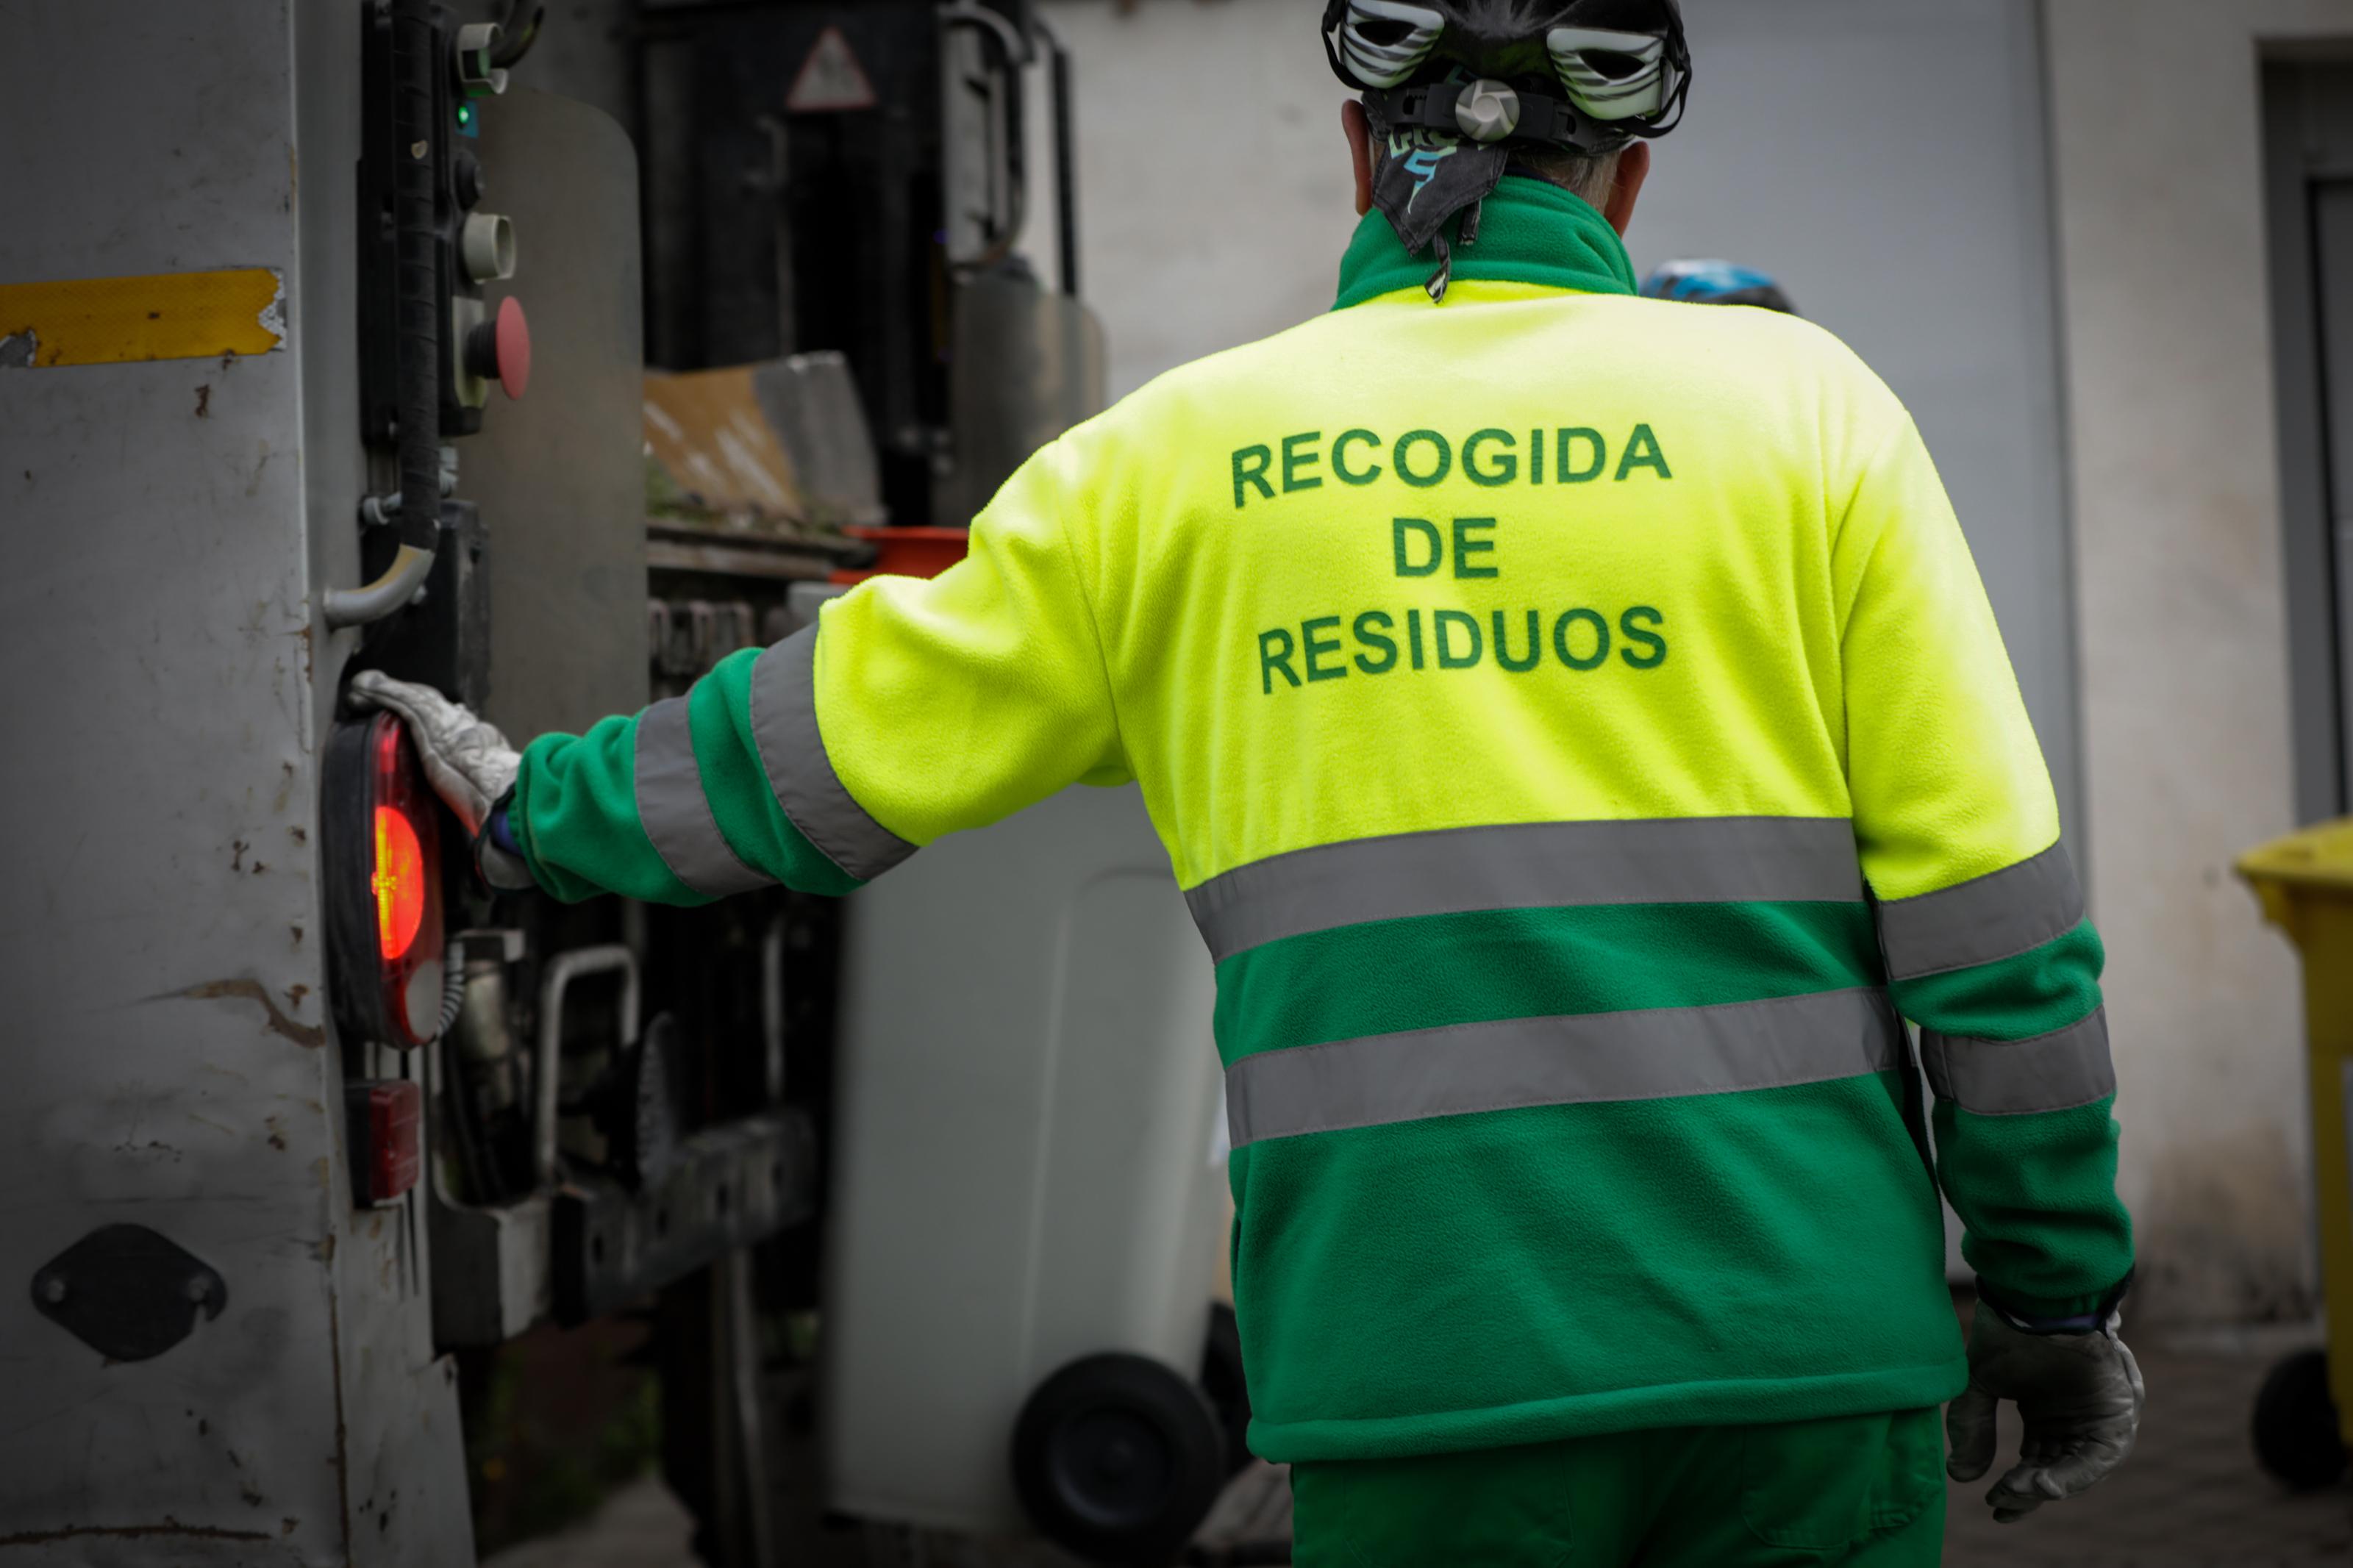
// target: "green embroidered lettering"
[[1503, 471], [1274, 650], [1568, 438], [1316, 648], [1642, 452], [1439, 622], [1601, 640], [1251, 464], [1413, 636], [1652, 639], [1293, 461], [1406, 442], [1370, 637], [1535, 645], [1536, 456], [1349, 476], [1429, 531], [1465, 547]]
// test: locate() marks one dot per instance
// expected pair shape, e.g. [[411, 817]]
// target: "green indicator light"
[[465, 114]]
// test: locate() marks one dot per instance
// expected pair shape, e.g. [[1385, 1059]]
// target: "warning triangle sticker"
[[831, 79]]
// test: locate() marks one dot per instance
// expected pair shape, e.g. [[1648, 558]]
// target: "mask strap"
[[1436, 286]]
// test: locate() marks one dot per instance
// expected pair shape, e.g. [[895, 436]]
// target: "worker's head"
[[1454, 92]]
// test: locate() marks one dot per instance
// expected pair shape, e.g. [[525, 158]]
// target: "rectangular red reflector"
[[387, 1138]]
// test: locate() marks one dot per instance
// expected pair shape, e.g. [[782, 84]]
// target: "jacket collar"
[[1530, 231]]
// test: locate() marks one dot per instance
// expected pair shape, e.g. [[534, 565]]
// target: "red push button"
[[499, 349]]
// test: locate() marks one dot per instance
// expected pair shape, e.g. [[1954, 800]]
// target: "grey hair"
[[1581, 174]]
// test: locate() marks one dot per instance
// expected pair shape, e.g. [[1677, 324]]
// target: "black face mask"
[[1425, 177]]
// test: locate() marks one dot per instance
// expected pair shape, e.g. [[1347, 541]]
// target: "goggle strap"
[[1542, 117]]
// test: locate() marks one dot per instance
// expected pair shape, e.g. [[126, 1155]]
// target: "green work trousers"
[[1863, 1491]]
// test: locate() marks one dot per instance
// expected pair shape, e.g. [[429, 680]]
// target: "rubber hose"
[[416, 267]]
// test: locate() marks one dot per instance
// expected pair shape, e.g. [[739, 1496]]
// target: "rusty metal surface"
[[777, 448], [169, 1060], [707, 431]]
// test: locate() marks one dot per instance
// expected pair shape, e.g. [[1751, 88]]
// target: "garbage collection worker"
[[1580, 733]]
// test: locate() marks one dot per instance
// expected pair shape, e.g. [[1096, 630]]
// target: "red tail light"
[[385, 1128], [399, 883], [384, 885]]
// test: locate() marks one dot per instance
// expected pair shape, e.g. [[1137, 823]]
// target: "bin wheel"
[[1221, 1380], [1118, 1459], [2298, 1438]]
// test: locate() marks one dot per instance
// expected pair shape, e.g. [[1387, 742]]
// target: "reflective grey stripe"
[[1996, 916], [2056, 1071], [1654, 1054], [1664, 861], [675, 813], [783, 723]]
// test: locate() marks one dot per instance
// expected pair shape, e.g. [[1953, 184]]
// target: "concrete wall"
[[1214, 198], [2158, 147]]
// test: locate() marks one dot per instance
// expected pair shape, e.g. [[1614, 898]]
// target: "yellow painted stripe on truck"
[[162, 315]]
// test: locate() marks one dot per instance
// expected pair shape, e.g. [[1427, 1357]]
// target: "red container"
[[908, 552]]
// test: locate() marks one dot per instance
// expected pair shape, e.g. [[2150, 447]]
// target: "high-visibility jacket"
[[1579, 730]]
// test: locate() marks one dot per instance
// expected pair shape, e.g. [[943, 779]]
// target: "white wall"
[[1214, 194], [2157, 141]]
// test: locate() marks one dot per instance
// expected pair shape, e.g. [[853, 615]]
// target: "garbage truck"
[[547, 354]]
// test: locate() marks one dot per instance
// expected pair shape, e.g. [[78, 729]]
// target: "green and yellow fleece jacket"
[[1581, 734]]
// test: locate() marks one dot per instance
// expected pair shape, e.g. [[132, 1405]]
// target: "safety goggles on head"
[[1410, 59]]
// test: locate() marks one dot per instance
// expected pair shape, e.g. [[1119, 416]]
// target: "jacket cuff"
[[498, 855], [2054, 1314]]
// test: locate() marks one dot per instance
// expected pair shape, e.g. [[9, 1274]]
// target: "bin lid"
[[2313, 865], [2319, 857]]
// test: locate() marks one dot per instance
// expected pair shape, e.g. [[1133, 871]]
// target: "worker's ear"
[[1633, 168], [1359, 132]]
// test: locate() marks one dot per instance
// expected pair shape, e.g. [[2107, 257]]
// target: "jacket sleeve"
[[1981, 921], [914, 707]]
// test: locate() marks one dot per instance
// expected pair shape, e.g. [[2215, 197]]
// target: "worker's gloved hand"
[[467, 760], [2079, 1394], [469, 763]]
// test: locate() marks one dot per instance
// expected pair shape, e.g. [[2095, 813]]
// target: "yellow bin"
[[2306, 884]]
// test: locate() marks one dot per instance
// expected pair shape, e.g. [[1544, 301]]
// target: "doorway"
[[2308, 133]]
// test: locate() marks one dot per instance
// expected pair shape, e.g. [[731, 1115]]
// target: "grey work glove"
[[468, 763], [2079, 1394]]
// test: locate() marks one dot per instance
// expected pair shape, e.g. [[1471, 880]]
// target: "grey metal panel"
[[2293, 144], [168, 1059], [560, 474], [586, 49], [1028, 364], [2332, 282], [812, 404], [1888, 162]]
